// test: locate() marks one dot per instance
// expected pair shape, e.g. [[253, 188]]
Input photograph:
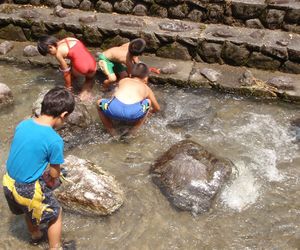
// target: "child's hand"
[[51, 183]]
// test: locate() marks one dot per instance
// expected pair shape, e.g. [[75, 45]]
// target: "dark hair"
[[56, 101], [137, 47], [44, 42], [140, 70]]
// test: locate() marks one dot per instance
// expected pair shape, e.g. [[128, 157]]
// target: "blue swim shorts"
[[117, 110], [34, 199]]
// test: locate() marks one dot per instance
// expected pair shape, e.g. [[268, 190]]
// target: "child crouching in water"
[[82, 62], [131, 101], [34, 146]]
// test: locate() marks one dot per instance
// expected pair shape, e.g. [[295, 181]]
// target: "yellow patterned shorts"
[[34, 199]]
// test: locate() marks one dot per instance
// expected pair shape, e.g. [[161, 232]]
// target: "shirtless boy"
[[120, 60], [83, 63], [131, 102]]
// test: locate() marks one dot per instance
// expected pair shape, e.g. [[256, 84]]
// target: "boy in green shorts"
[[119, 60], [34, 146]]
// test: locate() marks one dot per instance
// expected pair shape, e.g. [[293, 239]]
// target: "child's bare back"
[[117, 54]]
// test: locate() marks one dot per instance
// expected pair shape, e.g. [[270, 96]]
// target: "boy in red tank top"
[[82, 62]]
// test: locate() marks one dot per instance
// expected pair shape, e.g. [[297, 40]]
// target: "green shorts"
[[111, 67]]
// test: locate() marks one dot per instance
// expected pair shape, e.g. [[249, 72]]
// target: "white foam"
[[243, 191]]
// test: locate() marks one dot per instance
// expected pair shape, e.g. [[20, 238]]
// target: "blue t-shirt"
[[32, 148]]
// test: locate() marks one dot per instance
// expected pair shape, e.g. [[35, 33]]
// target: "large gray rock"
[[273, 19], [5, 47], [190, 176], [88, 189], [234, 54], [282, 82], [196, 15], [210, 52], [179, 11], [70, 3], [258, 60], [6, 96], [60, 11], [246, 11], [140, 10], [105, 7], [124, 6], [175, 51]]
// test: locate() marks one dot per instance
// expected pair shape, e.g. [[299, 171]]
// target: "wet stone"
[[195, 15], [211, 74], [88, 19], [258, 60], [235, 54], [175, 26], [281, 82], [170, 68], [5, 47], [247, 79], [130, 22], [246, 11], [60, 11], [175, 51], [30, 50], [85, 5], [190, 176], [291, 67], [277, 52], [179, 11], [156, 10], [6, 96], [88, 189], [52, 3], [197, 79], [29, 14], [273, 19], [210, 52]]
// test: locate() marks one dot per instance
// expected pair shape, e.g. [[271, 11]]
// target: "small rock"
[[283, 43], [31, 50], [70, 3], [6, 96], [247, 78], [105, 7], [29, 14], [140, 10], [60, 11], [281, 82], [254, 23], [211, 74], [88, 189], [170, 68], [259, 34], [5, 47], [88, 19], [124, 6], [85, 5], [175, 26], [225, 33]]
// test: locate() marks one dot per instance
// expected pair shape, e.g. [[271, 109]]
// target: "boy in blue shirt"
[[34, 146]]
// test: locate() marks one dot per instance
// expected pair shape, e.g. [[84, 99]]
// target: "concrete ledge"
[[223, 78], [265, 49]]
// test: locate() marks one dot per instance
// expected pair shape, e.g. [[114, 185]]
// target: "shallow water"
[[258, 209]]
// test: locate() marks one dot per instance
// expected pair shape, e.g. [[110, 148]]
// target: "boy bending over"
[[131, 102], [34, 146], [83, 63], [120, 60]]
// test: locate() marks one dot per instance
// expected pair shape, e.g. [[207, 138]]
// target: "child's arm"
[[154, 103], [64, 67], [130, 61]]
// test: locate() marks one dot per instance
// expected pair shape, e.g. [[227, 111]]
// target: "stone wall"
[[179, 40], [271, 14]]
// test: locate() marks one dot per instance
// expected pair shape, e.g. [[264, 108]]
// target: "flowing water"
[[258, 209]]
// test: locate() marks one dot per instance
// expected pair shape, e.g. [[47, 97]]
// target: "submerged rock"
[[6, 96], [88, 189], [5, 47], [190, 176]]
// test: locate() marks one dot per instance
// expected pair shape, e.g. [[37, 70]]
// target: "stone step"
[[270, 14], [237, 80], [212, 43]]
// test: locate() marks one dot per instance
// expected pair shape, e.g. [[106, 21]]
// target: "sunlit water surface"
[[258, 209]]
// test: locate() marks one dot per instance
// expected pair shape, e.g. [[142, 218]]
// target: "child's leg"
[[107, 69], [105, 120], [33, 229], [111, 78], [54, 232], [87, 86]]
